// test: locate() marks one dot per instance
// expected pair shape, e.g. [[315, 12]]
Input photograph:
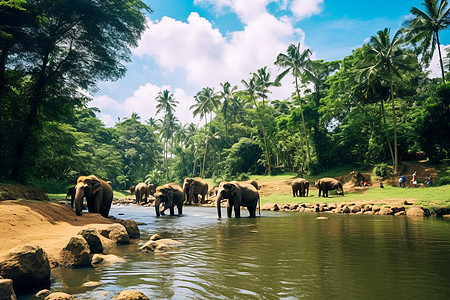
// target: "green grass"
[[428, 197]]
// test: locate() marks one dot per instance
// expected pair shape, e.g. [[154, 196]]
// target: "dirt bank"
[[46, 224]]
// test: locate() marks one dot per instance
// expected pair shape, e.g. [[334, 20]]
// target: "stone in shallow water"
[[130, 295]]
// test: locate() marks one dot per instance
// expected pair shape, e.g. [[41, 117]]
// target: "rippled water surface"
[[276, 256]]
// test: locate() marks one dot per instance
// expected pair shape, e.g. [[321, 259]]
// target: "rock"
[[43, 293], [155, 246], [369, 212], [155, 237], [400, 213], [108, 259], [118, 234], [132, 228], [345, 209], [397, 209], [92, 283], [385, 211], [321, 218], [130, 295], [270, 206], [6, 290], [75, 253], [92, 237], [309, 210], [332, 206], [59, 296], [417, 211], [368, 207], [293, 206], [355, 209], [375, 209], [28, 267]]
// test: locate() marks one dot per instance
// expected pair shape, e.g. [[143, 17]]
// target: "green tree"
[[67, 46], [227, 97], [294, 62], [384, 59], [425, 28], [166, 104], [206, 102]]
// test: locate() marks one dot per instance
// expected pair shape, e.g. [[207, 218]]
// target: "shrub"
[[444, 180], [382, 170]]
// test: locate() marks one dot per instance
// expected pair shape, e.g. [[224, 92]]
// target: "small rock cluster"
[[27, 268], [158, 245], [348, 208]]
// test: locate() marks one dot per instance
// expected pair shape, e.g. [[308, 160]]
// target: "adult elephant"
[[151, 189], [254, 183], [98, 193], [238, 194], [192, 187], [169, 195], [326, 184], [300, 187], [141, 190]]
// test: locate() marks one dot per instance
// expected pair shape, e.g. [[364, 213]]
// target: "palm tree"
[[263, 83], [207, 100], [166, 104], [252, 92], [425, 28], [226, 95], [383, 59], [295, 62]]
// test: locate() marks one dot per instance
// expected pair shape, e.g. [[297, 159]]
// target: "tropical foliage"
[[375, 107]]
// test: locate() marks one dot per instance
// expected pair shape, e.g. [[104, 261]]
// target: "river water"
[[280, 255]]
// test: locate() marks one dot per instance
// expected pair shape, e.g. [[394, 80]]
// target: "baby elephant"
[[300, 187], [170, 195], [326, 184]]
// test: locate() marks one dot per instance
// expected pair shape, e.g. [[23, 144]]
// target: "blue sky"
[[193, 44]]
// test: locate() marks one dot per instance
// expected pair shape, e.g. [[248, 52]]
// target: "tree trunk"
[[388, 141], [440, 57], [303, 119], [395, 126], [35, 103]]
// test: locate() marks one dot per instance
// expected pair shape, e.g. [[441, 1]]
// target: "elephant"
[[151, 189], [141, 190], [300, 187], [192, 187], [238, 194], [132, 189], [98, 193], [170, 195], [326, 184], [71, 192], [254, 183]]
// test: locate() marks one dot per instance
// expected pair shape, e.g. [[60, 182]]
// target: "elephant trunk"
[[79, 194], [218, 202], [157, 204]]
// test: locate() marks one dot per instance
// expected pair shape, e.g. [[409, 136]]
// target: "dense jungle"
[[377, 107]]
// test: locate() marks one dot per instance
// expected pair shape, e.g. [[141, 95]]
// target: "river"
[[280, 255]]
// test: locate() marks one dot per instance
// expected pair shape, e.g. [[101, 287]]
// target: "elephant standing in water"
[[170, 195], [141, 190], [192, 187], [238, 194], [98, 193], [300, 187], [326, 184]]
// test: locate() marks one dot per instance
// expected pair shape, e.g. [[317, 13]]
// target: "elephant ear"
[[233, 189], [170, 194], [97, 186]]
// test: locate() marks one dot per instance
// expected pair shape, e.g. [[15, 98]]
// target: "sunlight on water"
[[276, 256]]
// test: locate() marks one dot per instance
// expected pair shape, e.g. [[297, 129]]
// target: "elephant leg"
[[237, 210], [180, 209], [172, 210], [325, 192], [229, 209], [252, 211]]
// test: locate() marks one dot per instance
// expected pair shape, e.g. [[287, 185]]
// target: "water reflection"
[[276, 256]]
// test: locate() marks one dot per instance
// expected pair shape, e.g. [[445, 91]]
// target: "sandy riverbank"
[[46, 224]]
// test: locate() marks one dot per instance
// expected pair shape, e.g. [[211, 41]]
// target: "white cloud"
[[306, 8], [143, 103], [435, 65]]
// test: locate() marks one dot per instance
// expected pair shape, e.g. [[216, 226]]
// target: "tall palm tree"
[[425, 28], [206, 101], [166, 104], [252, 91], [294, 62], [263, 83], [383, 59], [226, 95]]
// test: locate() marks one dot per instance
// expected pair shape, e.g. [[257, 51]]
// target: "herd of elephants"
[[99, 194]]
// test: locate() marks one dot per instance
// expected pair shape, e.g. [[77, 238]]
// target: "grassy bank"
[[428, 197]]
